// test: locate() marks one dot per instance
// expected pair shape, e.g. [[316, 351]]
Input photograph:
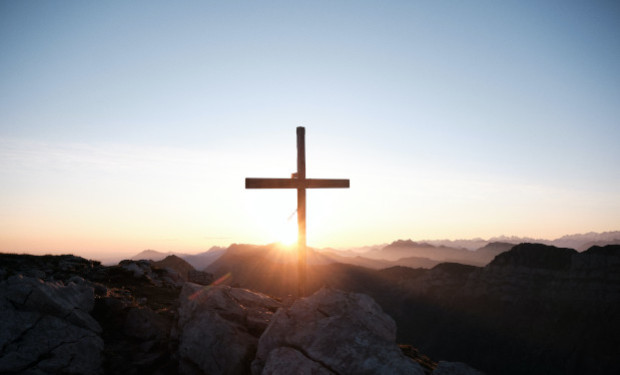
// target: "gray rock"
[[45, 328], [72, 302], [219, 327], [344, 333], [290, 361]]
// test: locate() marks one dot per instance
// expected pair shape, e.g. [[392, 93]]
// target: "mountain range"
[[408, 253], [198, 261], [503, 308]]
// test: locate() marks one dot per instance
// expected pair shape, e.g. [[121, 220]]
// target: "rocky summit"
[[332, 332], [69, 315]]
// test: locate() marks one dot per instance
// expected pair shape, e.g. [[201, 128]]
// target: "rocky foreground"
[[69, 315]]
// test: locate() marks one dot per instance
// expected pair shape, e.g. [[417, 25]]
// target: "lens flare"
[[204, 289]]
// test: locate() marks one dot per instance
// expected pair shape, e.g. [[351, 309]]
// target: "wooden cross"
[[301, 183]]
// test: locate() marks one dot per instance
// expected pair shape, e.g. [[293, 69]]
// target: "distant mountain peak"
[[176, 263], [408, 243], [173, 259], [150, 254], [399, 243]]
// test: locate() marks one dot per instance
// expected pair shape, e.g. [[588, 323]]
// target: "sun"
[[287, 233]]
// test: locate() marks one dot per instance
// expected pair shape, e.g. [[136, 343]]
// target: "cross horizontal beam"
[[294, 183]]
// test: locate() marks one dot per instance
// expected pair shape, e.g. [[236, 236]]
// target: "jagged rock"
[[45, 328], [47, 267], [71, 302], [171, 272], [454, 368], [219, 327], [345, 333]]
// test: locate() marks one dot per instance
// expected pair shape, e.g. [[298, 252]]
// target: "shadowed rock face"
[[333, 332], [45, 327], [285, 360], [219, 327], [70, 315]]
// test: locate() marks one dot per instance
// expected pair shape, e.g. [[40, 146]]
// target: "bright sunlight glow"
[[286, 232]]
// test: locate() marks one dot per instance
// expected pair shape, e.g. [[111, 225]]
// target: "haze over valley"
[[414, 254]]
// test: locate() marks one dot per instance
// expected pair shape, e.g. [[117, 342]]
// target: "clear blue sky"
[[131, 125]]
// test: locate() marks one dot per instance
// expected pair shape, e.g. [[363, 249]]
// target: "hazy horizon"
[[115, 256], [127, 126]]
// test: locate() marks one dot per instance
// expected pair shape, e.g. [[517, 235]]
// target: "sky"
[[127, 126]]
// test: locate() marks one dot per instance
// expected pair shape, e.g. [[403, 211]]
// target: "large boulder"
[[332, 332], [45, 328], [219, 327]]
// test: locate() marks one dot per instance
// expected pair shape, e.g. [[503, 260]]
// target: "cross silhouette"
[[301, 183]]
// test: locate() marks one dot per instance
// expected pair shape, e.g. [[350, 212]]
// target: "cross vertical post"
[[301, 183], [301, 211]]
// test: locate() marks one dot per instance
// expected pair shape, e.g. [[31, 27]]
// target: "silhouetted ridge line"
[[608, 250], [536, 256]]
